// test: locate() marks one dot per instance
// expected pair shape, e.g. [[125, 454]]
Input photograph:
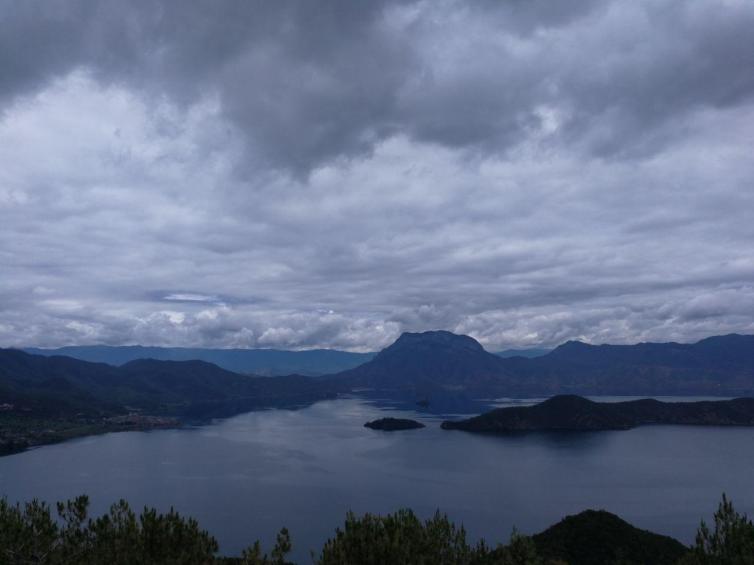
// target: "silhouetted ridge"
[[248, 361], [436, 363], [571, 347], [573, 413], [716, 366], [596, 537], [55, 385], [433, 367], [733, 350], [434, 339], [435, 360]]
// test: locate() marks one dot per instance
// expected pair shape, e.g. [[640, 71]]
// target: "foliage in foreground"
[[30, 534], [730, 542], [596, 537], [33, 534], [402, 539]]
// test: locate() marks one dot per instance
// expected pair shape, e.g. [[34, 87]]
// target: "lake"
[[245, 477]]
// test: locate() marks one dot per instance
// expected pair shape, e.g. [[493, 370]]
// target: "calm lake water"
[[245, 477]]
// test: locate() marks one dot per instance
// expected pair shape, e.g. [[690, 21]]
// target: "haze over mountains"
[[529, 353], [265, 362]]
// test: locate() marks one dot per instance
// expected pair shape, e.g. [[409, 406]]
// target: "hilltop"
[[431, 360], [596, 537]]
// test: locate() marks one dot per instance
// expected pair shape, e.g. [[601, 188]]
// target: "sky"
[[331, 174]]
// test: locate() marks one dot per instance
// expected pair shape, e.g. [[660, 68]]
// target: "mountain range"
[[57, 386], [264, 362], [437, 361], [421, 366]]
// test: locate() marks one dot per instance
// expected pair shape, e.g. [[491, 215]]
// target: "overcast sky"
[[330, 174]]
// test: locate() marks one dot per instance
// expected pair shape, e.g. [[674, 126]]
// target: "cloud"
[[291, 175], [305, 84], [190, 297]]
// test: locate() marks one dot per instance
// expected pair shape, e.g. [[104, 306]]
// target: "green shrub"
[[731, 542], [30, 534], [403, 539]]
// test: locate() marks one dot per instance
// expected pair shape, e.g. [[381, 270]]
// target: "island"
[[575, 413], [393, 424]]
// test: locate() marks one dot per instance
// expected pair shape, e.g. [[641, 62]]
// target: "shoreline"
[[39, 432]]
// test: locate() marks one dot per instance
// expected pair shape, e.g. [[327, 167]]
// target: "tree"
[[403, 539], [30, 534], [731, 542], [519, 551], [253, 555]]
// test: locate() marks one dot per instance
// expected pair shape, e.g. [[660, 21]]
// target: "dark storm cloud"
[[305, 174], [309, 82], [303, 81]]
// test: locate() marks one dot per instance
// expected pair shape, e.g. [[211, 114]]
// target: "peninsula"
[[575, 413]]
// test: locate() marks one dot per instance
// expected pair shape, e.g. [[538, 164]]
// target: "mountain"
[[439, 362], [55, 386], [181, 388], [596, 537], [267, 362], [436, 367], [574, 413], [717, 366], [50, 398], [431, 361], [528, 353], [731, 352]]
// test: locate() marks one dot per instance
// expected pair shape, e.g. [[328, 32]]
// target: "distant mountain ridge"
[[265, 362], [437, 370], [529, 353], [58, 385], [716, 352], [424, 366], [718, 365], [440, 361]]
